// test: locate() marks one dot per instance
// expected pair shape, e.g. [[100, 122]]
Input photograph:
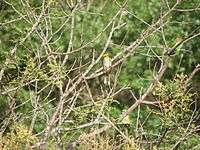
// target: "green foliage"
[[4, 101], [175, 113], [34, 78], [175, 100]]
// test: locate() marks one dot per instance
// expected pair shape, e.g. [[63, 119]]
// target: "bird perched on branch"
[[106, 66], [179, 42]]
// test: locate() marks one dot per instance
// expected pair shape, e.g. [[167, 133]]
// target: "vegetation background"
[[52, 94]]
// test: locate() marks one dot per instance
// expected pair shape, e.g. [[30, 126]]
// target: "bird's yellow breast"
[[106, 62]]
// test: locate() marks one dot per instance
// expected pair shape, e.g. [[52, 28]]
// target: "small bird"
[[106, 66], [177, 46]]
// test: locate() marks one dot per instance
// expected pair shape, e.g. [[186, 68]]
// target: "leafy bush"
[[51, 73], [19, 137]]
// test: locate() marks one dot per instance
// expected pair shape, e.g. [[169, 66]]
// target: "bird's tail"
[[106, 80]]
